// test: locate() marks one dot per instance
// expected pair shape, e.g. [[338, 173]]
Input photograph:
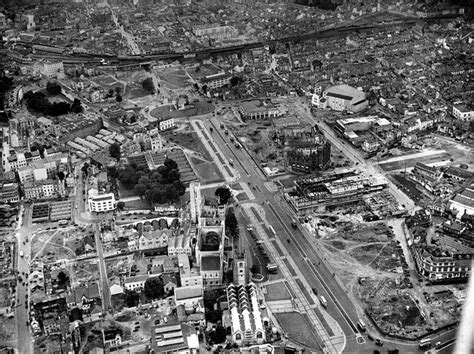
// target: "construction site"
[[370, 261]]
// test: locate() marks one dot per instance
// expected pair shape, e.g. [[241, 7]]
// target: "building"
[[112, 338], [100, 202], [214, 31], [335, 190], [164, 124], [310, 152], [457, 174], [241, 273], [173, 337], [341, 98], [463, 112], [246, 319], [463, 203], [216, 80], [258, 109], [437, 264], [190, 277], [191, 297], [44, 189], [425, 175], [9, 193], [211, 270], [50, 69]]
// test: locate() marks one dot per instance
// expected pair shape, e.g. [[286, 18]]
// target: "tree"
[[85, 169], [110, 93], [118, 90], [61, 175], [224, 194], [76, 106], [63, 279], [154, 288], [234, 81], [118, 98], [231, 223], [120, 206], [148, 85], [53, 88], [132, 298], [170, 164], [140, 189], [254, 269], [114, 151]]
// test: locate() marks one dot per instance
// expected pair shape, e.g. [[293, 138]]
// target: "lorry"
[[294, 224]]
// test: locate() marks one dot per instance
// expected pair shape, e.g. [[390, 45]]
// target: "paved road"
[[303, 250], [129, 38], [104, 281]]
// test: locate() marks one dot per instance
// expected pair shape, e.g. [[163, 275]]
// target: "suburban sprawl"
[[235, 176]]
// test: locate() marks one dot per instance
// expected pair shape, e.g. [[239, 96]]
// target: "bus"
[[272, 268], [425, 343], [272, 230]]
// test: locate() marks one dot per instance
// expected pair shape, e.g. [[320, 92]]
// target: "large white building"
[[50, 69], [246, 320], [463, 112], [100, 202], [341, 98], [463, 203]]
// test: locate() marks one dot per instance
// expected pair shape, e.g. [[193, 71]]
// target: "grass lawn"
[[194, 109], [242, 196], [125, 192], [277, 292], [137, 204], [208, 173], [7, 329], [299, 328], [190, 141]]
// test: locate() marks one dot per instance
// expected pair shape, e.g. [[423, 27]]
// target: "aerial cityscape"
[[237, 176]]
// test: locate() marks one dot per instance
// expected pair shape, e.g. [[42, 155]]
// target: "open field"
[[174, 78], [298, 327]]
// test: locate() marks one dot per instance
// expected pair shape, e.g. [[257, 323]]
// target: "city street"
[[302, 249]]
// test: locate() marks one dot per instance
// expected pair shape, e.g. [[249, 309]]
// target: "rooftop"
[[210, 263]]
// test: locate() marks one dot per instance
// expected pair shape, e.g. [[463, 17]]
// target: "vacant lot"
[[174, 78]]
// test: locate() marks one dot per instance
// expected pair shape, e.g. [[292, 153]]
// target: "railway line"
[[71, 58]]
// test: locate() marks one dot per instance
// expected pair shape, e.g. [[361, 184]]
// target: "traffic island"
[[257, 278]]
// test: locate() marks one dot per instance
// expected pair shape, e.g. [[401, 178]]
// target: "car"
[[378, 342], [157, 321]]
